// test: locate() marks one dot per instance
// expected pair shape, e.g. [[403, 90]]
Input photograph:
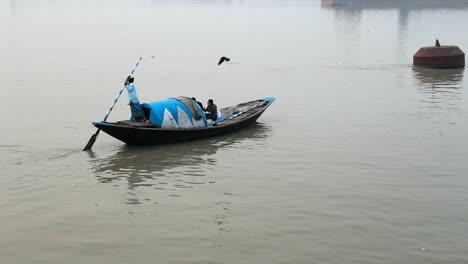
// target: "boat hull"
[[136, 135]]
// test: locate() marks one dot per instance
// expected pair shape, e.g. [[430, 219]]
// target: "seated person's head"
[[210, 101]]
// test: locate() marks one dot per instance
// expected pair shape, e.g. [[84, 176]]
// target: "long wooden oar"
[[94, 136]]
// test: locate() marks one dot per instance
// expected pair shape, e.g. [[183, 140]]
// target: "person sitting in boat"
[[198, 102], [211, 111], [135, 106]]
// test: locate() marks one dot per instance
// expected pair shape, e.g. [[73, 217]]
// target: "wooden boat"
[[232, 119]]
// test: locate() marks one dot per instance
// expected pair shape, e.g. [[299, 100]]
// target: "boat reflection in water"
[[172, 167]]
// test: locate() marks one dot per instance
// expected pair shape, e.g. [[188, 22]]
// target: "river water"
[[361, 159]]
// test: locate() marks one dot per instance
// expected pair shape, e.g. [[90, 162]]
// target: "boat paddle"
[[94, 136]]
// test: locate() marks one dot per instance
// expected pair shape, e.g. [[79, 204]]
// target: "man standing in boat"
[[135, 106], [211, 111]]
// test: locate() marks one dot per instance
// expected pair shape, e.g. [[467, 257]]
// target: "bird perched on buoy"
[[222, 59], [437, 43]]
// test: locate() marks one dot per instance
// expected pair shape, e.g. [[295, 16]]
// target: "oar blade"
[[91, 141]]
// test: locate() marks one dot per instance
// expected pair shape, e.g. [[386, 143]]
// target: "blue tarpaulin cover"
[[173, 113]]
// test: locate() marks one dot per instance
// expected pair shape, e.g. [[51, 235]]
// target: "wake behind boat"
[[182, 119]]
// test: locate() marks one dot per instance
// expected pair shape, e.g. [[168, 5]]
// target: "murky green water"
[[362, 158]]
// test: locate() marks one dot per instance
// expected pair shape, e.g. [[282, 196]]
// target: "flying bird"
[[222, 59]]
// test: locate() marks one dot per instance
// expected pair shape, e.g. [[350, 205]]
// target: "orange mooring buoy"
[[438, 56]]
